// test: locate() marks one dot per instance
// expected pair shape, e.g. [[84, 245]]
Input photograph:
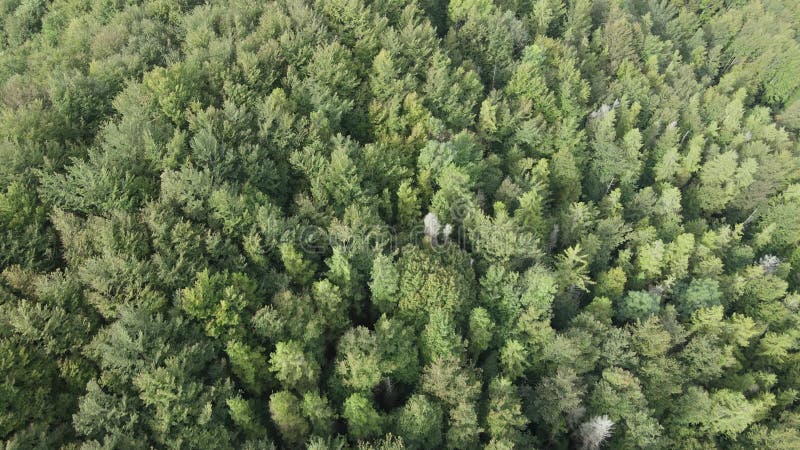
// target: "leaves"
[[396, 224]]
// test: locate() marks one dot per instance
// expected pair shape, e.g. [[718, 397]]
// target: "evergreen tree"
[[399, 224]]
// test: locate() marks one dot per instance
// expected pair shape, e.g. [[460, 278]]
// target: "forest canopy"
[[386, 224]]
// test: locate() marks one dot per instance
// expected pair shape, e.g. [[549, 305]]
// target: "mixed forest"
[[399, 224]]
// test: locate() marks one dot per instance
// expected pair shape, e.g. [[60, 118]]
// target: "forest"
[[399, 224]]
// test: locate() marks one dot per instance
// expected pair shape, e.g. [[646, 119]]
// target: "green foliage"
[[446, 380], [407, 204], [292, 367], [556, 400], [319, 413], [572, 269], [699, 293], [638, 305], [439, 337], [504, 420], [359, 360], [723, 412], [481, 328], [721, 178], [249, 365], [399, 224], [218, 300], [285, 411], [383, 284], [619, 393], [419, 423], [434, 281], [27, 239], [363, 421], [298, 268], [399, 351], [464, 430], [513, 359], [242, 414]]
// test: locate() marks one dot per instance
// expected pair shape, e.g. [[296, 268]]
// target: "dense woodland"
[[421, 224]]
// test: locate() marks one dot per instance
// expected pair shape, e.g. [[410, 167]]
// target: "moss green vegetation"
[[386, 224]]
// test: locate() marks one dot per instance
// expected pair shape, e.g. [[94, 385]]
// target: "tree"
[[611, 283], [292, 367], [329, 302], [556, 403], [699, 293], [638, 305], [498, 240], [300, 269], [419, 423], [594, 431], [619, 393], [720, 413], [286, 413], [28, 239], [243, 415], [504, 420], [439, 338], [463, 431], [446, 380], [174, 392], [492, 51], [513, 359], [399, 352], [481, 329], [721, 179], [249, 365], [388, 224], [383, 284], [359, 360], [175, 88], [572, 269], [434, 280], [779, 228], [219, 300], [101, 414], [407, 204], [615, 163], [363, 421], [451, 92], [319, 412]]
